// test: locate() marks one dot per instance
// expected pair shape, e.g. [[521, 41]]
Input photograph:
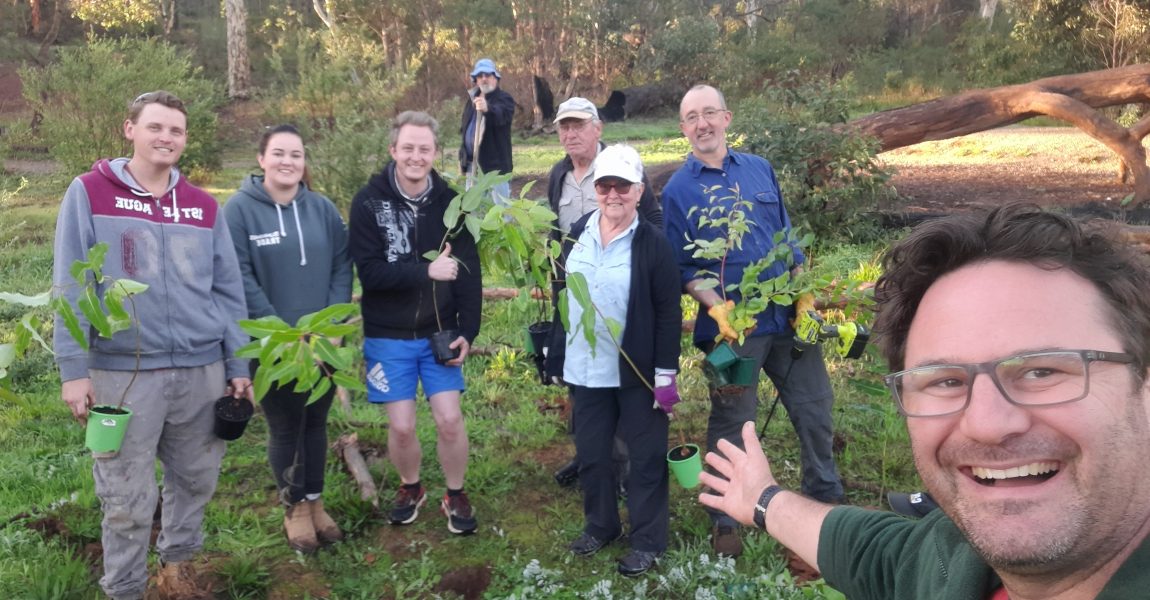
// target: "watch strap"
[[760, 515]]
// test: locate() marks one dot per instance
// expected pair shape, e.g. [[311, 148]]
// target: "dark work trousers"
[[599, 414], [297, 440], [618, 450], [805, 392]]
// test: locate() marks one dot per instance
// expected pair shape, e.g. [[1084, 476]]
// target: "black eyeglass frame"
[[989, 368]]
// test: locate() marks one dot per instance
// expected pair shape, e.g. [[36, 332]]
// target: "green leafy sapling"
[[105, 311], [729, 215], [304, 353]]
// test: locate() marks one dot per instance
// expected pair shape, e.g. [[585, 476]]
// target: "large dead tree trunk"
[[1070, 98]]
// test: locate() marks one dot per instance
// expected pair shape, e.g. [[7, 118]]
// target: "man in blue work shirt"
[[711, 171]]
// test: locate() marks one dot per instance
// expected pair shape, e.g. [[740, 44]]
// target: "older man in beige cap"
[[571, 193], [570, 189]]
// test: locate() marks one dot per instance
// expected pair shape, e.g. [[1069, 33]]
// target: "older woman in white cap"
[[626, 383]]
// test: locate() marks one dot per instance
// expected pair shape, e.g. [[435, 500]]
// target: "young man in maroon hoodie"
[[175, 360]]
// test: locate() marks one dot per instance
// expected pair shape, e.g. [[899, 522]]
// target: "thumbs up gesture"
[[443, 268]]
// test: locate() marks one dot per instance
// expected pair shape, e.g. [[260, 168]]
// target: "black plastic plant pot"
[[441, 345], [232, 416], [537, 334]]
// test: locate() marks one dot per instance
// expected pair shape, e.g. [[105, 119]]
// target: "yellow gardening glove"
[[805, 303], [719, 313]]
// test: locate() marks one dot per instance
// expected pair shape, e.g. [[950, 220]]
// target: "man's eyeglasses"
[[604, 187], [710, 115], [1031, 379], [483, 75]]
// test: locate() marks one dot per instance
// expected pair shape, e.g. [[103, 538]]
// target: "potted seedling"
[[462, 212], [517, 242], [685, 462], [106, 314], [750, 296]]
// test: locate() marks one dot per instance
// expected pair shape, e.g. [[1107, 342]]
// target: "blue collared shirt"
[[752, 178], [608, 273]]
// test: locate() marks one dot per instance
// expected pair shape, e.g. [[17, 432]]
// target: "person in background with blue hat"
[[486, 128]]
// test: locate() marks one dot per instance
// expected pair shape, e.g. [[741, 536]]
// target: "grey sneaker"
[[405, 508], [460, 517]]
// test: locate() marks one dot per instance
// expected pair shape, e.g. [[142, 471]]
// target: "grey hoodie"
[[293, 257], [179, 245]]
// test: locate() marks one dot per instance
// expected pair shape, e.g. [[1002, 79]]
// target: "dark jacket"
[[654, 316], [495, 147], [388, 240], [293, 258], [649, 207]]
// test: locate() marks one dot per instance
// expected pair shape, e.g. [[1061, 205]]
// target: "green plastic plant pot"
[[744, 372], [716, 377], [722, 357], [106, 428], [686, 462]]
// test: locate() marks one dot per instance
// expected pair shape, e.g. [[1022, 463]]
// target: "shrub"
[[84, 99], [830, 177]]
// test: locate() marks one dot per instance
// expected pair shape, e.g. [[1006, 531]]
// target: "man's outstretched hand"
[[744, 474]]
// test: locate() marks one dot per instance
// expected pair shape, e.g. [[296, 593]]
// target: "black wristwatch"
[[761, 508]]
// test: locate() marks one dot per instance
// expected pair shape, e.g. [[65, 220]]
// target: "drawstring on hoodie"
[[298, 230]]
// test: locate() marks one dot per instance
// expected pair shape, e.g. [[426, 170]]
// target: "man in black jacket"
[[570, 188], [395, 219], [486, 128]]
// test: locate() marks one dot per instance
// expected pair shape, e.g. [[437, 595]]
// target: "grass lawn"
[[50, 518]]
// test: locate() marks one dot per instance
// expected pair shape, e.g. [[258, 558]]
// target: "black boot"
[[568, 476]]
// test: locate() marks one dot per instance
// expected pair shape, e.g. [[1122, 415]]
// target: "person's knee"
[[402, 433], [450, 427]]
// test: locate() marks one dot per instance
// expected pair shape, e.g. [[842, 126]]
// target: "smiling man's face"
[[1092, 495], [159, 135]]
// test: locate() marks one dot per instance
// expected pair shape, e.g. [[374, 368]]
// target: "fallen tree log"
[[1070, 98], [347, 446]]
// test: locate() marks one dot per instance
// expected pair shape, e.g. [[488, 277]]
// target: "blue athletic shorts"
[[394, 367]]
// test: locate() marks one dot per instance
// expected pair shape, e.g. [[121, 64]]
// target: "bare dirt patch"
[[1044, 165]]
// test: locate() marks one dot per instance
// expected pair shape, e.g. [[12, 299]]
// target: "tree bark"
[[239, 68], [1070, 98]]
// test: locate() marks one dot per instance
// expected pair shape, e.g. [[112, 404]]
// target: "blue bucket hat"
[[485, 65]]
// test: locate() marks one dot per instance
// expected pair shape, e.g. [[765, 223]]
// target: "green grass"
[[518, 438]]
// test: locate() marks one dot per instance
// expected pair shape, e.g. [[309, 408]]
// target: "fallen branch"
[[347, 446], [500, 293]]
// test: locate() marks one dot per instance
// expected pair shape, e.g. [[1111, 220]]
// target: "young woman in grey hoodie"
[[292, 248]]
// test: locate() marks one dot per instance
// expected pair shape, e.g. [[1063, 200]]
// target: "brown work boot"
[[326, 529], [299, 528], [177, 581], [726, 541]]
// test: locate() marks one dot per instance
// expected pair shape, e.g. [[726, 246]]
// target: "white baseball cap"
[[620, 161], [576, 108]]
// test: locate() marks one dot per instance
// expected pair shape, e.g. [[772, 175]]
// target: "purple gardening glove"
[[666, 394]]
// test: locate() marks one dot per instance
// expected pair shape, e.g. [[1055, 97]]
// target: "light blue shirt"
[[608, 273]]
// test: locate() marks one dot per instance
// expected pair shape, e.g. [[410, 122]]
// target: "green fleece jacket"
[[868, 554]]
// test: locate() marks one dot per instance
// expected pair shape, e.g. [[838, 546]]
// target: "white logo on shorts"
[[377, 379]]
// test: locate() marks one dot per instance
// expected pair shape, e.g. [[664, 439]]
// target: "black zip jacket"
[[388, 240], [495, 148], [654, 315]]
